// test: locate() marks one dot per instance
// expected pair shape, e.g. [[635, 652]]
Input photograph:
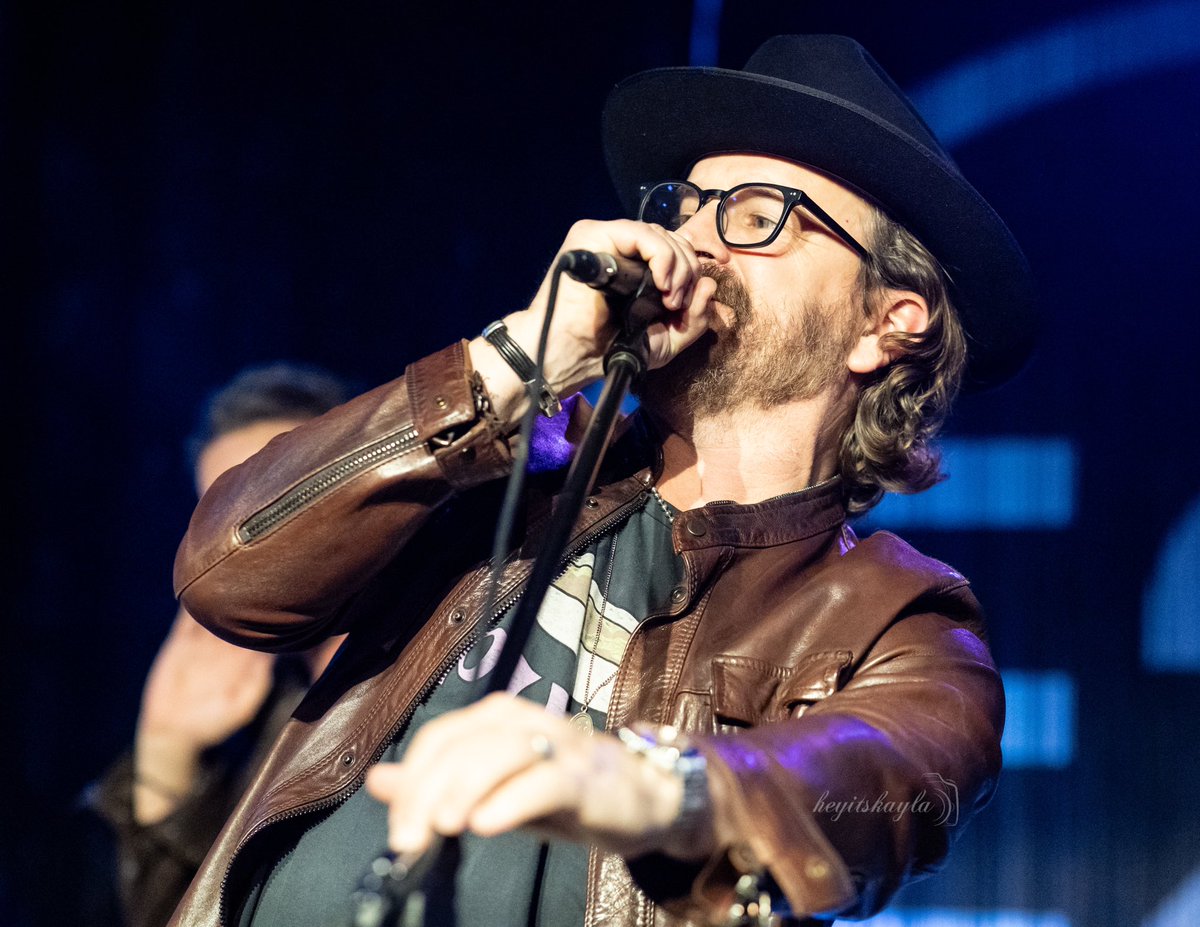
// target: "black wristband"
[[514, 355]]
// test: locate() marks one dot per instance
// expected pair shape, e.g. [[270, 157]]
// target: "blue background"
[[190, 188]]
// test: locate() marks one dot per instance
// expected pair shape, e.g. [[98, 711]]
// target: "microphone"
[[610, 273], [631, 292]]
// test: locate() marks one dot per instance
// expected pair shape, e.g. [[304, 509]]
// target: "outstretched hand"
[[505, 763]]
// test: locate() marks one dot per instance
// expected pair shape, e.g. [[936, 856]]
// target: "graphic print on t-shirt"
[[577, 615]]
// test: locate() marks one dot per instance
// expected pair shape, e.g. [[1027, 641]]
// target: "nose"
[[701, 233]]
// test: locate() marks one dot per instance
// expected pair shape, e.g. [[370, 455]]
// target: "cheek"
[[821, 282], [779, 284]]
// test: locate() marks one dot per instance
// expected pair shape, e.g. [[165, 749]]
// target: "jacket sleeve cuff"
[[813, 881], [452, 415]]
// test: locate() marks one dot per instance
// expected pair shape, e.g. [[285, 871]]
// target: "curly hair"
[[888, 446]]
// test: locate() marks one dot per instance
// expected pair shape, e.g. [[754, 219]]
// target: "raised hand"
[[582, 327], [200, 690]]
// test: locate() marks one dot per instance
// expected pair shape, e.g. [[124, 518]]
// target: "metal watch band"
[[514, 355], [670, 751]]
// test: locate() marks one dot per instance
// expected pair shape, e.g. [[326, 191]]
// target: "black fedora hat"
[[823, 100]]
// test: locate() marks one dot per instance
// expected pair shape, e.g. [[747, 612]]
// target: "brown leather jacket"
[[812, 667]]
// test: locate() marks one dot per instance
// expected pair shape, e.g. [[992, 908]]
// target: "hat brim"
[[657, 124]]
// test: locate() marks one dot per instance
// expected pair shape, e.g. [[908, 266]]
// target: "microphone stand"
[[400, 892]]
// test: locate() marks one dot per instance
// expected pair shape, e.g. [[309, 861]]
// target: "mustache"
[[730, 290]]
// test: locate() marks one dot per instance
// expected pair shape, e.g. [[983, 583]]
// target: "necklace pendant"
[[582, 722]]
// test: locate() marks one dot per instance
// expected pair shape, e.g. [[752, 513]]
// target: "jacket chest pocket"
[[747, 692]]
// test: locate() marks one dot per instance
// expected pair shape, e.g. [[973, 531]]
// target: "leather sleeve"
[[866, 789], [279, 546]]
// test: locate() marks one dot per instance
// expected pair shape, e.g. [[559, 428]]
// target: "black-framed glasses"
[[750, 215]]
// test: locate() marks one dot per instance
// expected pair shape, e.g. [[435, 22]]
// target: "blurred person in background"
[[210, 711]]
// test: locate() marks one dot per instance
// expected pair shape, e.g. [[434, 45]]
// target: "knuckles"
[[601, 233], [585, 230]]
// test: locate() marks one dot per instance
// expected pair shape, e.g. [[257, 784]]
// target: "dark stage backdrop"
[[189, 188]]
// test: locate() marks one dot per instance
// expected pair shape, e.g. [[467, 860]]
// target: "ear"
[[903, 311]]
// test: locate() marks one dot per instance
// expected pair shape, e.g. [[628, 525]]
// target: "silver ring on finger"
[[542, 746]]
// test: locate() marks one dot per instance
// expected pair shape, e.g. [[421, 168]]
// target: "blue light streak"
[[706, 33], [1039, 726], [957, 917], [1092, 50], [1005, 483], [1171, 606]]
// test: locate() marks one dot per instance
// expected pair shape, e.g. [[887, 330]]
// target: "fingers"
[[505, 763], [673, 263], [539, 792], [390, 784], [680, 330], [516, 788], [457, 762], [676, 270], [458, 727], [583, 326]]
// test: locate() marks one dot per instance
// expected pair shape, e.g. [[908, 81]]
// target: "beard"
[[757, 362]]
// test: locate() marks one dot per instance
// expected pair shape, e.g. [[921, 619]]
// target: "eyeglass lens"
[[749, 215]]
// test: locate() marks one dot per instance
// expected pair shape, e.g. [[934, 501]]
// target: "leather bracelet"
[[514, 355], [670, 751]]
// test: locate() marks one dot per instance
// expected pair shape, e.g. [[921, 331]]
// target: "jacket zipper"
[[396, 444], [652, 618], [344, 793]]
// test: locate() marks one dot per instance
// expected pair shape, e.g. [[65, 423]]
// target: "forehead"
[[722, 171]]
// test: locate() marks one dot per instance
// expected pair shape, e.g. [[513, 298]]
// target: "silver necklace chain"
[[663, 504], [581, 718]]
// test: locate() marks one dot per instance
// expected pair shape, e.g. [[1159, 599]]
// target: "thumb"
[[383, 780], [679, 330]]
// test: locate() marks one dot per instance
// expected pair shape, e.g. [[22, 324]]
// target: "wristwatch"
[[667, 749]]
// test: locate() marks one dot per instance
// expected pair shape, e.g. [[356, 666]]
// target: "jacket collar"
[[794, 516], [636, 456]]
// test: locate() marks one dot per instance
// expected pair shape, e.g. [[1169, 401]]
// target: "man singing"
[[805, 719]]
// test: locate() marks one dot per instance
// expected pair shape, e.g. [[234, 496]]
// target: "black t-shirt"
[[569, 665]]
